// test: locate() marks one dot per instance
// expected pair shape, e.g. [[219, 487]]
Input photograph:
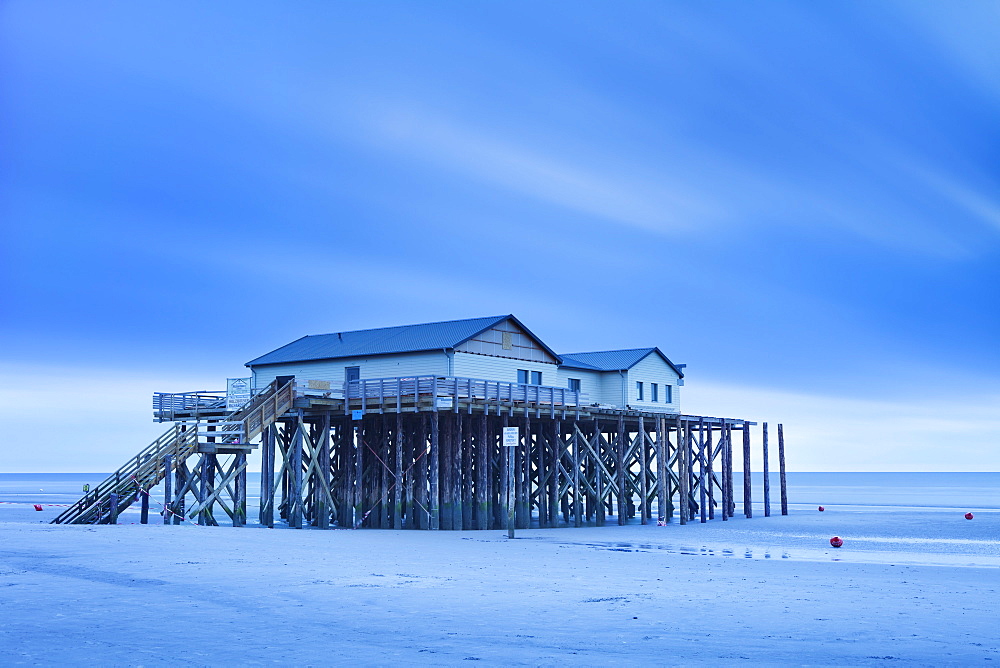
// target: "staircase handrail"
[[144, 468]]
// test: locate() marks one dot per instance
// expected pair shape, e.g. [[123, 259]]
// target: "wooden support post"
[[435, 454], [267, 477], [701, 469], [359, 434], [113, 509], [599, 468], [177, 516], [510, 485], [143, 506], [767, 480], [662, 472], [690, 458], [555, 459], [167, 487], [203, 490], [482, 480], [397, 506], [447, 471], [541, 458], [619, 454], [708, 474], [643, 473], [457, 475], [682, 474], [732, 481], [522, 483], [295, 510], [240, 502], [781, 469], [323, 509], [747, 493], [726, 491], [577, 488], [422, 516], [412, 463]]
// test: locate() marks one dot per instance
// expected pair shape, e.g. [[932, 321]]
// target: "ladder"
[[148, 468]]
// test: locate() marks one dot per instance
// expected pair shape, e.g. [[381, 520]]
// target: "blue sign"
[[357, 415]]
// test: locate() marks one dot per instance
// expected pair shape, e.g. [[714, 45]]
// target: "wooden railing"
[[166, 405], [417, 388], [265, 408], [143, 471]]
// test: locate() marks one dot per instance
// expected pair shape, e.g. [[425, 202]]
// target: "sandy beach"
[[911, 586]]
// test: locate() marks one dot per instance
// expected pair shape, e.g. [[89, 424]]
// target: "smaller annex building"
[[494, 348]]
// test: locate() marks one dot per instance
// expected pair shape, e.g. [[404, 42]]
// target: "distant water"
[[918, 490]]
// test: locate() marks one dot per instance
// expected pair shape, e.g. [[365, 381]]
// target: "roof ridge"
[[620, 350], [416, 324]]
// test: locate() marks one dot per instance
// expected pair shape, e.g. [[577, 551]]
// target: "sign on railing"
[[238, 393]]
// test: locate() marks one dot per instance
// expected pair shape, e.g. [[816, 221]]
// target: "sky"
[[800, 201]]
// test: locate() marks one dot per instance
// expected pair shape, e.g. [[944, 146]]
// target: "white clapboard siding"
[[652, 369], [487, 367], [379, 366]]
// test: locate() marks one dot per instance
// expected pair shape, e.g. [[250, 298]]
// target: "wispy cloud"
[[643, 198]]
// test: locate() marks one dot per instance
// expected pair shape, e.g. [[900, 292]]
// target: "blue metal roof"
[[613, 360], [382, 341]]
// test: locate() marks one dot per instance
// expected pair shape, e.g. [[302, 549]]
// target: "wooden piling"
[[113, 508], [397, 506], [767, 479], [781, 469], [682, 474], [435, 455], [724, 477], [323, 496], [747, 492], [167, 487], [703, 481], [240, 490]]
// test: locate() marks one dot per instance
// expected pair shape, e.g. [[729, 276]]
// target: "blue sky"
[[800, 201]]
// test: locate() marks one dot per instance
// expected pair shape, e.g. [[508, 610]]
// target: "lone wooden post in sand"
[[511, 435], [781, 469], [747, 501], [767, 479], [113, 519]]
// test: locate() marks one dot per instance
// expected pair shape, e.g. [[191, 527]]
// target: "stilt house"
[[495, 349]]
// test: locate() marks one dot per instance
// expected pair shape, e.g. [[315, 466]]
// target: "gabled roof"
[[387, 340], [613, 360]]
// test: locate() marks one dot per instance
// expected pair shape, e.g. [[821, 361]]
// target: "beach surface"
[[911, 586]]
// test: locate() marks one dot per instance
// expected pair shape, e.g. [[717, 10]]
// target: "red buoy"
[[37, 507], [836, 541], [969, 516], [821, 509]]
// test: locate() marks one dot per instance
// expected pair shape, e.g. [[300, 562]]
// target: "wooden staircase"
[[148, 468]]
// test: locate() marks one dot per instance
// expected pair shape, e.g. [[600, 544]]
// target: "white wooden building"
[[496, 348]]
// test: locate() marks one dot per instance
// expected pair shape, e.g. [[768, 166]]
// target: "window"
[[525, 377], [574, 384], [667, 393], [352, 373], [654, 391], [638, 391]]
